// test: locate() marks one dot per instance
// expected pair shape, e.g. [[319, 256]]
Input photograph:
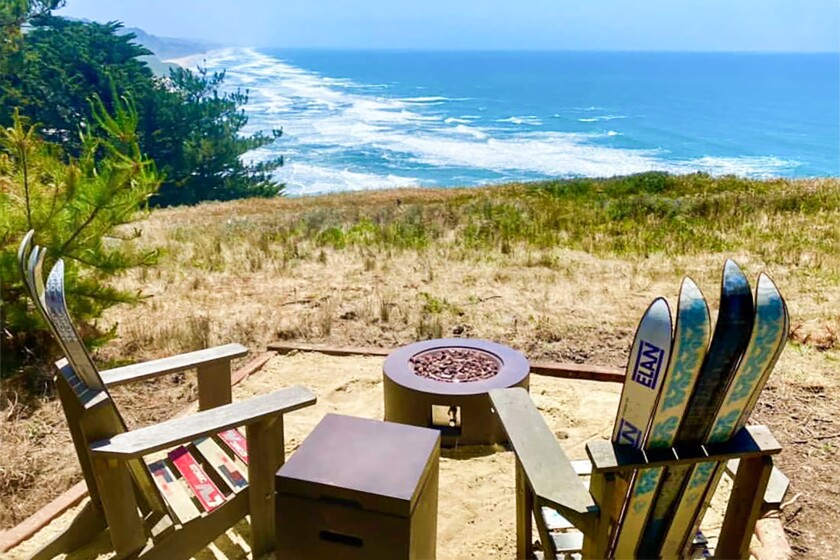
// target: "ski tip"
[[734, 280], [766, 283], [689, 288], [692, 298], [731, 268], [658, 307], [767, 290], [25, 246], [58, 267], [657, 317]]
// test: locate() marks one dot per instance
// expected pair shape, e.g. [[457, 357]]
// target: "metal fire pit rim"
[[514, 367]]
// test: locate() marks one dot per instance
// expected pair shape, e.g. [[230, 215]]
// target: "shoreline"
[[398, 137]]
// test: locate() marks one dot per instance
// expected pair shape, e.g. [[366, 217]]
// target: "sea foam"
[[601, 118], [343, 135]]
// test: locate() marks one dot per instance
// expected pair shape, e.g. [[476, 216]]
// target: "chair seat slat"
[[205, 490], [565, 543], [227, 469], [234, 439], [554, 521], [174, 493]]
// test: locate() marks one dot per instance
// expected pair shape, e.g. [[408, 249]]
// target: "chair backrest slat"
[[50, 302], [79, 374], [77, 354]]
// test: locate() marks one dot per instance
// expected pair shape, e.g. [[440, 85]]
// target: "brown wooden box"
[[360, 489]]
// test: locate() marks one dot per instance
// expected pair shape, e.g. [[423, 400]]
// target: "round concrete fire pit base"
[[443, 384]]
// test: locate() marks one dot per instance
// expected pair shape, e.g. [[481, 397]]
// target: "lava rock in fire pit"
[[454, 365]]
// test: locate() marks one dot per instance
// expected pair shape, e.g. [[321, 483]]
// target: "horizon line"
[[219, 46]]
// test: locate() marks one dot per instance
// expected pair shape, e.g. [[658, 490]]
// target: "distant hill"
[[166, 48]]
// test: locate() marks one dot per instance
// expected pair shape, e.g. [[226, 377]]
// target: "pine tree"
[[75, 205]]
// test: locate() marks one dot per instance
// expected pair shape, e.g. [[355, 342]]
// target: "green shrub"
[[74, 206]]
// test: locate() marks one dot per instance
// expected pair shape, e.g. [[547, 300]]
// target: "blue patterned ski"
[[691, 340], [729, 341], [766, 343]]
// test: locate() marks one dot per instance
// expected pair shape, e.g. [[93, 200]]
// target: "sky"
[[657, 25]]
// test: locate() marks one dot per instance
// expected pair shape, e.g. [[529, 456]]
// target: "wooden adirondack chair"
[[566, 498], [167, 490], [548, 482]]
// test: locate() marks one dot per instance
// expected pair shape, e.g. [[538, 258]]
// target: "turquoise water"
[[365, 119]]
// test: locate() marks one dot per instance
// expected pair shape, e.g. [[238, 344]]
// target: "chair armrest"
[[143, 441], [173, 364], [548, 470]]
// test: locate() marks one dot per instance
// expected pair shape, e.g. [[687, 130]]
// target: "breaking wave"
[[340, 135]]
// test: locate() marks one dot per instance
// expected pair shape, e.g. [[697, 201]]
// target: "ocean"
[[357, 120]]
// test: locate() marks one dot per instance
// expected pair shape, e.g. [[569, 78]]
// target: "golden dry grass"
[[224, 277]]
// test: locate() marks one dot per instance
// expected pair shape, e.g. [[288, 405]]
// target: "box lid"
[[381, 466]]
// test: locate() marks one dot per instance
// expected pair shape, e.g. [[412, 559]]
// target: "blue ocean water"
[[366, 119]]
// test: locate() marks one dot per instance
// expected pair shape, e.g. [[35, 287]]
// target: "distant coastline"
[[385, 119], [170, 51]]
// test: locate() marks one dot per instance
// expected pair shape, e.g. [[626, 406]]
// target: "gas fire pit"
[[443, 384]]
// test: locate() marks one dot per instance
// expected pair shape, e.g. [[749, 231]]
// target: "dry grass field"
[[561, 271]]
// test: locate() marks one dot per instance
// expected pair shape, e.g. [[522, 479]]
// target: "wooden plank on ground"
[[550, 369], [10, 538], [578, 371], [287, 347], [250, 368]]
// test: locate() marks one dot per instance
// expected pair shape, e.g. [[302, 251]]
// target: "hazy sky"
[[694, 25]]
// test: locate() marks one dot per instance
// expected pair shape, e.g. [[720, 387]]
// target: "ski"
[[50, 302], [691, 340], [766, 343], [729, 341], [646, 370]]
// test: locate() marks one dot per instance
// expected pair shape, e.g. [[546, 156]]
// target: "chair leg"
[[121, 512], [744, 507], [524, 507], [596, 544], [549, 550], [88, 523], [266, 454], [214, 385]]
